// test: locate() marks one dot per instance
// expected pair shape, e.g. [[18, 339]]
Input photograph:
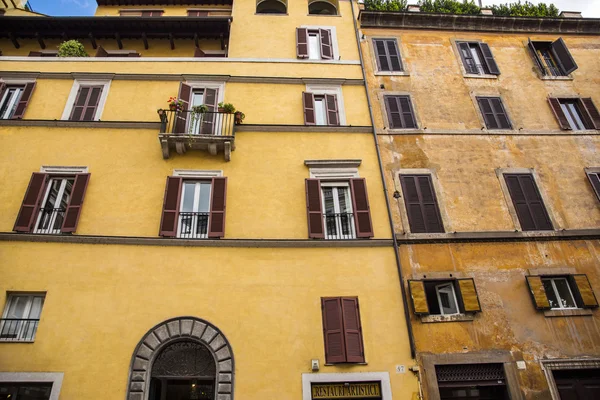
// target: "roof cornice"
[[162, 2]]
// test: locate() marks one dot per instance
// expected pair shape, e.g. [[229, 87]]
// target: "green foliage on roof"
[[526, 9], [385, 5], [71, 48], [449, 7]]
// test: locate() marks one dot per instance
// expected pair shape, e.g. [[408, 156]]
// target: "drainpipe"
[[411, 338]]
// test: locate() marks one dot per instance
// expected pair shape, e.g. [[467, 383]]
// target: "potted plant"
[[239, 117], [226, 108], [71, 48], [197, 113], [175, 104]]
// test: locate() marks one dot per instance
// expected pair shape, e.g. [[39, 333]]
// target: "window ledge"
[[482, 76], [344, 364], [392, 73], [427, 319], [557, 78], [568, 313], [322, 15], [16, 341]]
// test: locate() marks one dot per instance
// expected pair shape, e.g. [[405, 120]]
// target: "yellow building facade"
[[167, 249], [488, 129]]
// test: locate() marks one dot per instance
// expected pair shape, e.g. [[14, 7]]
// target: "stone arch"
[[169, 332], [271, 6], [323, 7]]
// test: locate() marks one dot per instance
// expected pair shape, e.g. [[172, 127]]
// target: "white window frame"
[[77, 83], [557, 294], [59, 196], [196, 85], [316, 89], [336, 208], [13, 102], [9, 299], [197, 186], [438, 287], [570, 110], [56, 378], [197, 173], [334, 43], [11, 82]]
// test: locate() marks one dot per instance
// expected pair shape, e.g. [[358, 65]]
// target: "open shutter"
[[185, 92], [75, 203], [538, 293], [352, 330], [467, 58], [314, 209], [592, 112], [101, 52], [216, 225], [487, 112], [208, 120], [563, 122], [199, 53], [535, 56], [308, 102], [418, 296], [170, 211], [302, 42], [468, 292], [594, 178], [563, 56], [488, 58], [326, 49], [586, 294], [333, 117], [31, 202], [360, 204], [24, 100], [333, 330]]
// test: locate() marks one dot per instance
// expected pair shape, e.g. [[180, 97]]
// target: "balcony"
[[339, 226], [208, 131], [18, 330]]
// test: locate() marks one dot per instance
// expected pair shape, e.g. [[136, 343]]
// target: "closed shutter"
[[563, 56], [31, 202], [587, 298], [333, 330], [101, 52], [185, 93], [528, 202], [538, 293], [488, 58], [362, 212], [563, 122], [217, 208], [383, 63], [592, 112], [594, 178], [208, 121], [468, 293], [308, 102], [400, 112], [199, 53], [24, 100], [35, 54], [333, 117], [500, 113], [302, 42], [314, 209], [418, 296], [352, 330], [467, 58], [326, 48], [421, 204], [394, 55], [86, 103], [170, 211], [493, 113], [75, 203]]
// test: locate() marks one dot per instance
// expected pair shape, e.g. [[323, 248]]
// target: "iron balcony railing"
[[339, 226], [477, 69], [18, 330], [187, 122], [193, 225], [50, 220], [550, 69]]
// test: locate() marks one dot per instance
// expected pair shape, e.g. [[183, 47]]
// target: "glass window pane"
[[198, 98], [204, 203], [550, 294], [575, 115], [53, 193], [320, 112], [314, 47], [328, 200], [36, 307], [344, 199], [567, 113], [447, 299], [475, 54], [566, 298], [188, 197], [66, 197], [17, 307]]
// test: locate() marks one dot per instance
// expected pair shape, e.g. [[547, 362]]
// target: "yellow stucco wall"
[[169, 10]]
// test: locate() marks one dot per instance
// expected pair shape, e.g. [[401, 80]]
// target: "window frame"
[[30, 297], [438, 288], [334, 185], [64, 178], [334, 42], [387, 112], [77, 83], [371, 43], [459, 59], [387, 55], [56, 378], [284, 2], [482, 114], [552, 280], [319, 90], [196, 200], [15, 101], [333, 3]]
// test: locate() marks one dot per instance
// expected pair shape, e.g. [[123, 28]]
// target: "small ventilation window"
[[271, 7]]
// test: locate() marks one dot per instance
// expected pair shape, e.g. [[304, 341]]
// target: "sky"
[[589, 8]]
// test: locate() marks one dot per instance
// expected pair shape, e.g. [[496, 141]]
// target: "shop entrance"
[[472, 382], [346, 391], [577, 384]]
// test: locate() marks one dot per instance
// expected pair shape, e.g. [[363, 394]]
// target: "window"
[[271, 6], [141, 13], [528, 202], [387, 55], [207, 123], [44, 53], [194, 208], [421, 204], [444, 297], [493, 112], [477, 58], [575, 113], [342, 330], [552, 58], [400, 113], [472, 381], [14, 99], [338, 209], [320, 109], [593, 175], [21, 317], [560, 292], [197, 13], [54, 205], [86, 103], [314, 43], [322, 7], [101, 52], [25, 391]]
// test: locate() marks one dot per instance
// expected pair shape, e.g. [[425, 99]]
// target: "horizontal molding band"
[[155, 241], [497, 236], [303, 128], [479, 132], [180, 77], [81, 124], [71, 60]]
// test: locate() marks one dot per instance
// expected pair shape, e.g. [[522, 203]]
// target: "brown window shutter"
[[488, 58], [468, 293], [314, 209], [333, 330], [302, 42], [362, 211], [2, 87], [75, 203], [31, 203], [563, 122], [487, 112], [528, 202], [185, 93], [326, 48], [587, 298], [308, 102], [500, 113], [35, 54], [381, 55], [421, 204], [405, 107], [79, 104], [101, 52], [393, 112], [538, 293], [24, 100], [563, 56], [170, 211], [394, 55], [217, 208], [352, 330], [594, 178], [89, 113], [591, 111], [418, 296], [535, 56], [208, 121], [333, 117], [199, 53], [467, 58]]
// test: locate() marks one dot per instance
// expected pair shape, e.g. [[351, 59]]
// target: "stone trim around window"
[[332, 163], [384, 115], [197, 173], [382, 377], [330, 89], [460, 61], [77, 83], [36, 377], [333, 173], [405, 70], [63, 170], [568, 363], [492, 93]]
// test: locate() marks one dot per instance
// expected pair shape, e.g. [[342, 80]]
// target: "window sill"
[[272, 14], [344, 364], [556, 78], [482, 76], [568, 313], [17, 341], [427, 319], [322, 15], [392, 73]]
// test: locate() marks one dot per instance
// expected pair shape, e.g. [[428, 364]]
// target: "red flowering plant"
[[175, 104]]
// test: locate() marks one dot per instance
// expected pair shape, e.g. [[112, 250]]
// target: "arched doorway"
[[182, 358]]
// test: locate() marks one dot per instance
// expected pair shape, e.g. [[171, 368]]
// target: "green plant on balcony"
[[196, 114], [226, 107], [71, 48], [239, 117]]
